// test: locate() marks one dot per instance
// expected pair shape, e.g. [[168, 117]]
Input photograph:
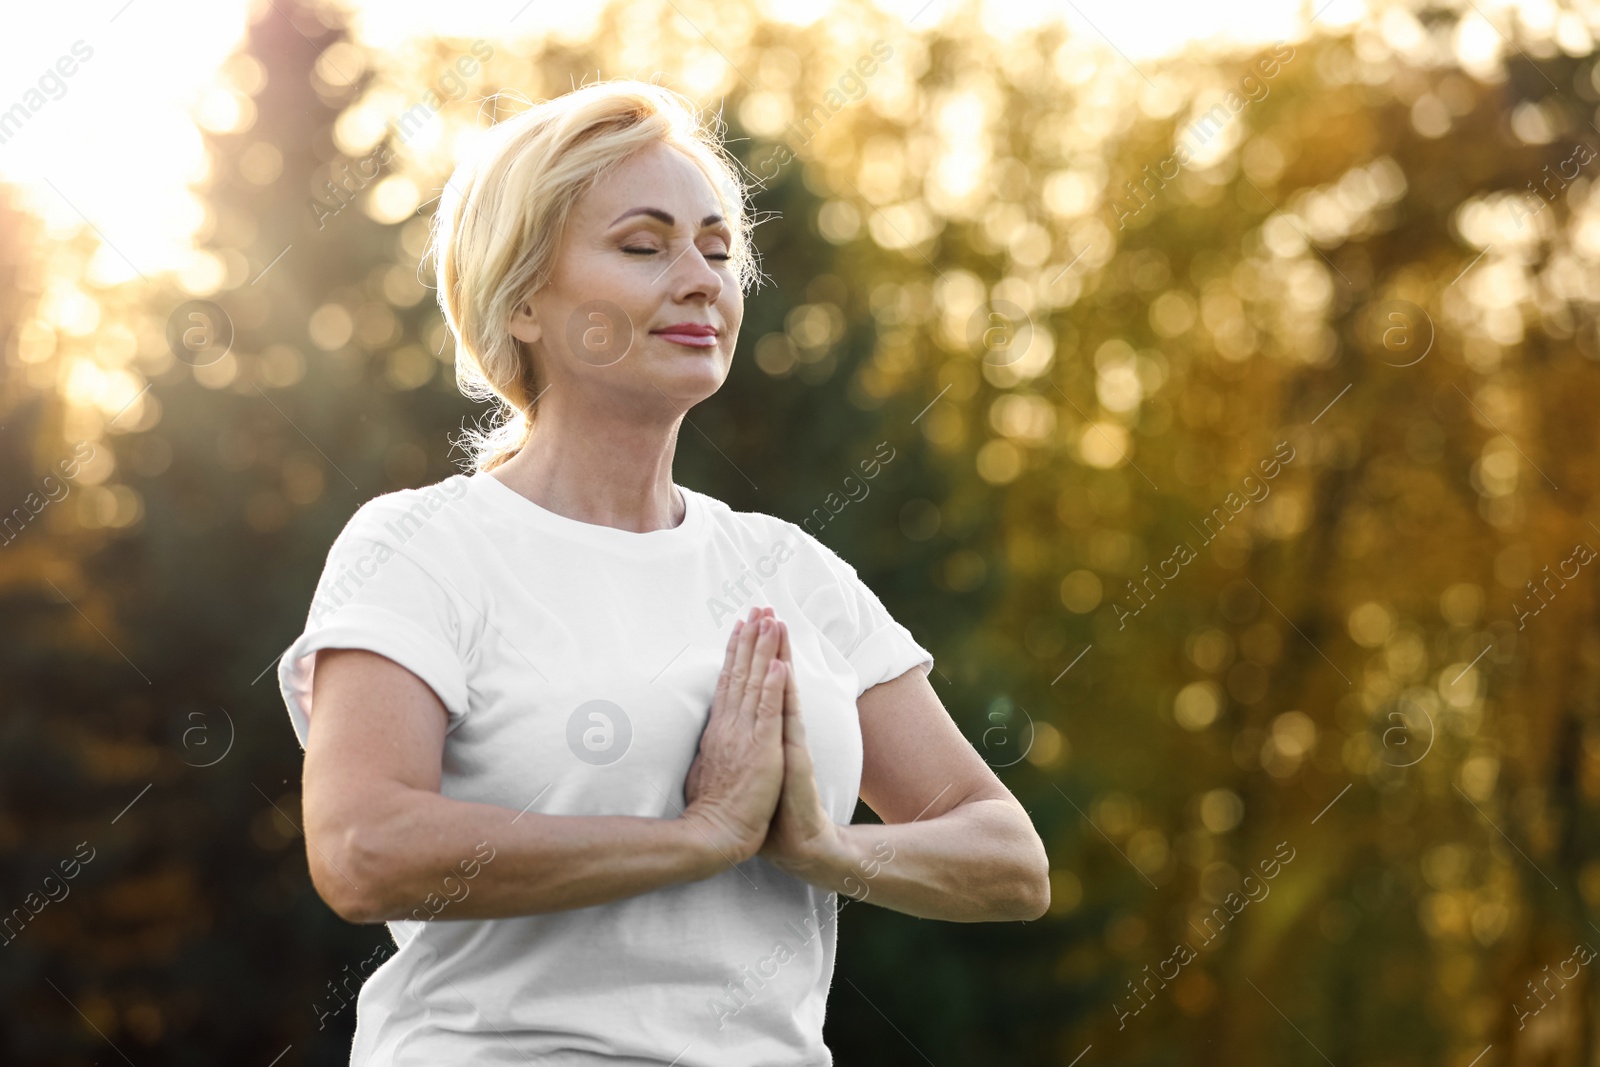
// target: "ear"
[[525, 323]]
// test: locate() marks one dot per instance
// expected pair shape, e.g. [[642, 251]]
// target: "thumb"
[[768, 726], [794, 727]]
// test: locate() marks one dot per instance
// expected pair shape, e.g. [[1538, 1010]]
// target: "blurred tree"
[[1218, 486]]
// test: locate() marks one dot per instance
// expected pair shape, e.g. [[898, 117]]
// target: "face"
[[642, 307]]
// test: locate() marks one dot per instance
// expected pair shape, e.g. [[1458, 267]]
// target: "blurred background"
[[1240, 368]]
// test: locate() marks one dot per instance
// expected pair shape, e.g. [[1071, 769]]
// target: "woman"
[[528, 707]]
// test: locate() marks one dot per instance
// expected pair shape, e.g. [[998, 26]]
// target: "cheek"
[[601, 304], [732, 316]]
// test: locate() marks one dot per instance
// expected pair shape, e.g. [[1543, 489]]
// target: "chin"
[[688, 381]]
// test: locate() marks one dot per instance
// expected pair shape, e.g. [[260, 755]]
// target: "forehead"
[[657, 175]]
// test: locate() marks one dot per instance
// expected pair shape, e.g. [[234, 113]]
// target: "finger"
[[747, 672], [799, 774], [771, 706], [794, 727], [739, 681], [727, 663], [766, 643], [747, 680], [769, 710], [783, 643]]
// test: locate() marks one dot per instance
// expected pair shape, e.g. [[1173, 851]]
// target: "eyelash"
[[724, 257]]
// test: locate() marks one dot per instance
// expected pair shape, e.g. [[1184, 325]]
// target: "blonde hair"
[[503, 212]]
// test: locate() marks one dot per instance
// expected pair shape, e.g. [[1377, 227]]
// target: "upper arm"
[[915, 763], [372, 684], [378, 731]]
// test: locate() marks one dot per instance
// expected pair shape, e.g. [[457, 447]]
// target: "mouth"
[[692, 335]]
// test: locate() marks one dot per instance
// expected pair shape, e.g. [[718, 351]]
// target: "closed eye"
[[636, 251]]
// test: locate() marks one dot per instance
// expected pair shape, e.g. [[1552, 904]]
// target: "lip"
[[693, 334]]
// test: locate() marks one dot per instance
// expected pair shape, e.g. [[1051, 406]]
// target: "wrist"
[[831, 860], [709, 850]]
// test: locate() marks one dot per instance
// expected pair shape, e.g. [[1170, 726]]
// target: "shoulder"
[[738, 524], [763, 538], [410, 517]]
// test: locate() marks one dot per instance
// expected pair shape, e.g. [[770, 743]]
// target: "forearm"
[[422, 855], [979, 862]]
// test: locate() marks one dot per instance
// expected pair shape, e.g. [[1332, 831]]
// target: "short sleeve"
[[375, 595], [851, 616]]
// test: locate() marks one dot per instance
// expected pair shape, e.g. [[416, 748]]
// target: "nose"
[[691, 275]]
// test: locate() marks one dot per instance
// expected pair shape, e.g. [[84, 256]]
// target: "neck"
[[604, 470]]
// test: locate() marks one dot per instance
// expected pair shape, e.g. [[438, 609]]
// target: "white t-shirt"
[[577, 663]]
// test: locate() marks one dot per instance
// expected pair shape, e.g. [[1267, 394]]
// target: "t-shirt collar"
[[501, 496]]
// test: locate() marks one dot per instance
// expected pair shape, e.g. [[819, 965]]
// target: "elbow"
[[1017, 888], [1031, 897], [1038, 900], [346, 874], [354, 909]]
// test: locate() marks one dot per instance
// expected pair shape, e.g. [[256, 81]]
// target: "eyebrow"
[[662, 216]]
